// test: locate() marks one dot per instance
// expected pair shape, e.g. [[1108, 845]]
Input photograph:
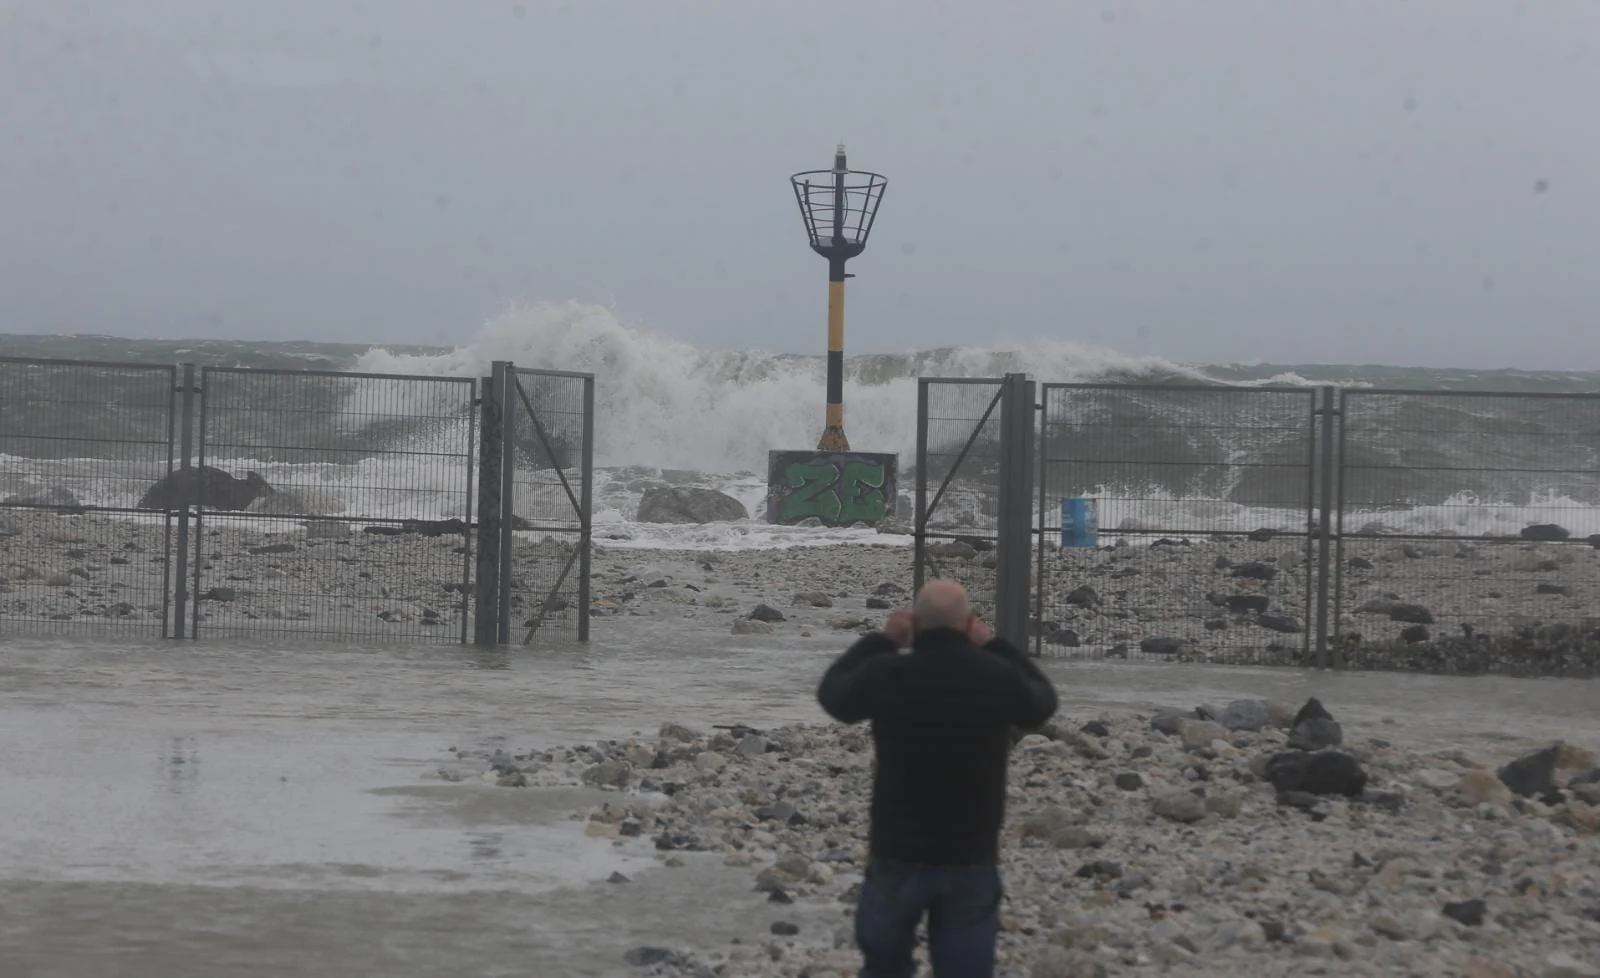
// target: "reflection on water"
[[320, 783]]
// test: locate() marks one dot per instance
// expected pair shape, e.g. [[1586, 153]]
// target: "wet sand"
[[229, 809]]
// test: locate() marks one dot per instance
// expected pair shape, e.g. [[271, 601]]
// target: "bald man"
[[941, 729]]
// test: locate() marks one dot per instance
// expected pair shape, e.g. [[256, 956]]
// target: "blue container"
[[1080, 523]]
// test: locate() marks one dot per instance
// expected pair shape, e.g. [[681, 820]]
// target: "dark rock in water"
[[618, 878], [784, 928], [1129, 781], [221, 594], [879, 604], [57, 497], [1096, 729], [213, 488], [768, 613], [1545, 587], [1328, 772], [1223, 562], [1255, 570], [1545, 532], [1468, 913], [676, 504], [1361, 563], [888, 587], [1533, 775], [1083, 596], [1241, 604], [1415, 633], [1064, 637], [1161, 646], [1416, 614], [1263, 534], [1216, 624]]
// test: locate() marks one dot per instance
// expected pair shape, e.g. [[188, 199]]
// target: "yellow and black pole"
[[838, 212]]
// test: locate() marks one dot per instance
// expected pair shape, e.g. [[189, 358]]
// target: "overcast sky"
[[1323, 180]]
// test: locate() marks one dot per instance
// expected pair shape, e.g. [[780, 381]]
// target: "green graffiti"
[[813, 493], [820, 490], [863, 492]]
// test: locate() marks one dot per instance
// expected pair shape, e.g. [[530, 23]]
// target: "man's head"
[[942, 604]]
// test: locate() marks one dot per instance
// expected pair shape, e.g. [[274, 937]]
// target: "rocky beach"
[[1251, 837], [1511, 606]]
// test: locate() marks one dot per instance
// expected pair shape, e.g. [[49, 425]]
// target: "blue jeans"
[[963, 908]]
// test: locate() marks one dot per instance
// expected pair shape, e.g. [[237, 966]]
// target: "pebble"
[[1160, 858]]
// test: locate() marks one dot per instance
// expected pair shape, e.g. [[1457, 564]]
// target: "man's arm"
[[1033, 700], [848, 691]]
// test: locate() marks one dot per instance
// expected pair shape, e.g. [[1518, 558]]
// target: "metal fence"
[[1208, 497], [1467, 532], [79, 442], [178, 502], [332, 504]]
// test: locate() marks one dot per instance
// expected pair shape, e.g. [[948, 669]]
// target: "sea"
[[669, 411]]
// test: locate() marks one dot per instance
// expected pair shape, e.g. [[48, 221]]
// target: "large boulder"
[[677, 504], [221, 491]]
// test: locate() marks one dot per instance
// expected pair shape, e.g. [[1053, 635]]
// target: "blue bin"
[[1080, 523]]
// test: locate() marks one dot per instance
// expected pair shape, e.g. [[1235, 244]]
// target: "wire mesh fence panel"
[[1469, 523], [1175, 523], [332, 505], [80, 444], [958, 485], [550, 432]]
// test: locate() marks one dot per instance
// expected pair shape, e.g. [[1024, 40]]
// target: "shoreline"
[[1442, 606]]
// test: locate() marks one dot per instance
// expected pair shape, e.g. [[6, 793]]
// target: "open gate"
[[973, 500], [536, 503]]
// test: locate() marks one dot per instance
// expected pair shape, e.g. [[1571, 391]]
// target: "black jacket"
[[941, 725]]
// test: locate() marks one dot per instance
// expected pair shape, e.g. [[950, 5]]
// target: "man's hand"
[[900, 627], [979, 632]]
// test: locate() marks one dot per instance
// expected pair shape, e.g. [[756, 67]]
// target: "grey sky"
[[1324, 180]]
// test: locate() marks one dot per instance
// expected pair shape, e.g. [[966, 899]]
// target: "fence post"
[[509, 407], [1041, 476], [586, 536], [919, 517], [1015, 537], [491, 444], [1325, 432], [178, 571]]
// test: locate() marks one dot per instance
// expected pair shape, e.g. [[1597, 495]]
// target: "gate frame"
[[503, 397], [1014, 397], [202, 390]]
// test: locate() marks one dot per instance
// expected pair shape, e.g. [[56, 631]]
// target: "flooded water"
[[171, 810]]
